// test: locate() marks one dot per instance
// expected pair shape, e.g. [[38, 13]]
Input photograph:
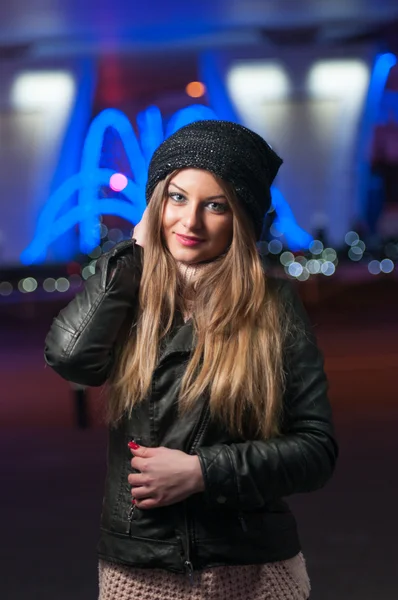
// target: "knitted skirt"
[[284, 580]]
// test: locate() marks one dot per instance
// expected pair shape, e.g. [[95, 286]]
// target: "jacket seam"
[[231, 458], [137, 537], [61, 326], [73, 342]]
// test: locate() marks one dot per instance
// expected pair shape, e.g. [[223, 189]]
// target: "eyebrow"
[[209, 198]]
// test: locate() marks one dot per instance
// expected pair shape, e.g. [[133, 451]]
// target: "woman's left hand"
[[166, 476]]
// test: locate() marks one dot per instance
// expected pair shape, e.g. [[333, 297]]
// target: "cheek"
[[225, 232]]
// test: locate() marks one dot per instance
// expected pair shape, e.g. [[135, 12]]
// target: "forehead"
[[197, 180]]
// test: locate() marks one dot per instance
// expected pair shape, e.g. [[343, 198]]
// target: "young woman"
[[217, 395]]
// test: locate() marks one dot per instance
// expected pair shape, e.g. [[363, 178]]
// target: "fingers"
[[147, 503], [139, 464], [137, 480], [142, 499], [140, 493], [141, 483]]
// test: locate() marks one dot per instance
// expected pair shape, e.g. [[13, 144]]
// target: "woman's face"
[[197, 218]]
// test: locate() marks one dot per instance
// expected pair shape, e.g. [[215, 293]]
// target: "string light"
[[319, 260]]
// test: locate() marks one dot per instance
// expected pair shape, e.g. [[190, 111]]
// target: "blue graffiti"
[[86, 184]]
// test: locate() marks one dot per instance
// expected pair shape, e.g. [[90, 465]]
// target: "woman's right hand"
[[140, 230]]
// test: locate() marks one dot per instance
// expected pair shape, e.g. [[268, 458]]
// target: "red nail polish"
[[133, 445], [133, 501]]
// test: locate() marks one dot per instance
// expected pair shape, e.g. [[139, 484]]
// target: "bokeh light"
[[103, 231], [316, 247], [387, 266], [195, 89], [5, 288], [49, 284], [355, 253], [286, 258], [62, 284], [118, 182], [295, 269], [275, 231], [351, 237], [96, 253], [115, 235], [75, 281], [27, 285], [313, 266], [275, 246], [87, 271], [304, 275], [108, 246], [329, 254], [359, 244], [328, 268], [374, 267]]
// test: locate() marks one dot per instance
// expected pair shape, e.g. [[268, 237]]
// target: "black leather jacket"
[[240, 518]]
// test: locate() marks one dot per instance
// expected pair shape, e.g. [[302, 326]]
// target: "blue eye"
[[176, 197], [219, 207]]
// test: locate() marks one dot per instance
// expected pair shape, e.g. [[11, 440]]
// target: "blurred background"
[[88, 90]]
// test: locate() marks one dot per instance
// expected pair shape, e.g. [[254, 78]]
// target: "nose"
[[192, 219]]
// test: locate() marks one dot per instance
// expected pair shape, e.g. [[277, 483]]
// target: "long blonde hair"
[[239, 331]]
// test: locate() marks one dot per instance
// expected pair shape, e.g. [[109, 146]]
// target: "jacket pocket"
[[118, 493]]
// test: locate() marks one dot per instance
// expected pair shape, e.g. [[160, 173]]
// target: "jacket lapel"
[[179, 340]]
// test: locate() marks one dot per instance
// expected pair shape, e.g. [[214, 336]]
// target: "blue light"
[[381, 69], [196, 112], [52, 223], [87, 183], [150, 126], [211, 73], [296, 237]]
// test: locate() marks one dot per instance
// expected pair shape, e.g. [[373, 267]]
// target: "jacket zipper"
[[188, 566], [130, 518]]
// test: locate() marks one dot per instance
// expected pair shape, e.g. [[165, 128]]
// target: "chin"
[[187, 254]]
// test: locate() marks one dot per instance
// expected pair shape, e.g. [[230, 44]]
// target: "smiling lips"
[[188, 241]]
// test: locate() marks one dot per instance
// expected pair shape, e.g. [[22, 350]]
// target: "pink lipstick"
[[187, 241]]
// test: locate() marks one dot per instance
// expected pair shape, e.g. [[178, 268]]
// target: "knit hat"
[[228, 150]]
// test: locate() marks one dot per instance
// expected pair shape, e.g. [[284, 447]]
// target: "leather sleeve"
[[246, 476], [80, 343]]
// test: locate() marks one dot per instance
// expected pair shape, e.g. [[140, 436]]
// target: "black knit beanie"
[[229, 151]]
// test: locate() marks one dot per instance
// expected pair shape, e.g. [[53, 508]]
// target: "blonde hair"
[[238, 328]]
